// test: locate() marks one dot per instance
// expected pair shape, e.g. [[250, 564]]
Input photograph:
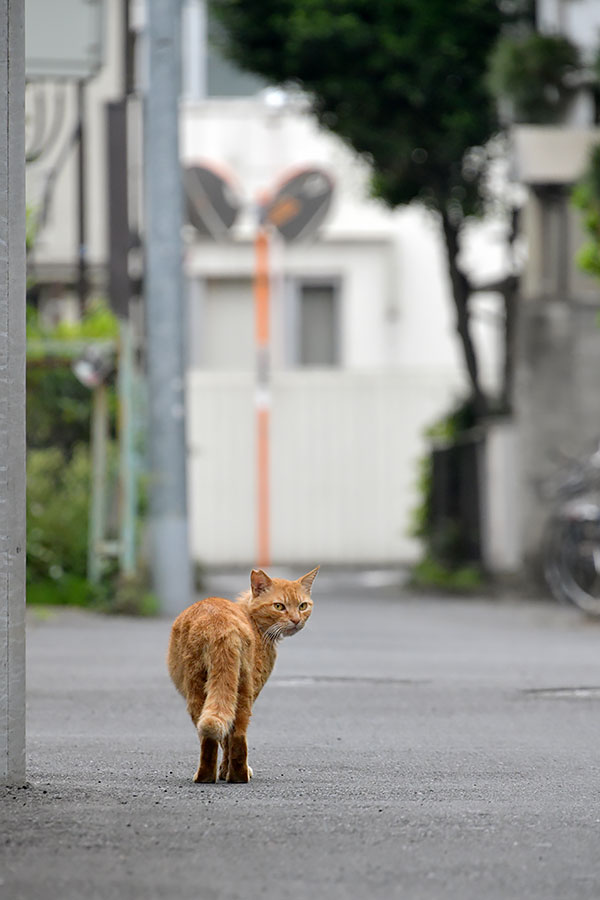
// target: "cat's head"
[[279, 607]]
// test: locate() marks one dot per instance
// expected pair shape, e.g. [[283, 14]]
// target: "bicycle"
[[571, 543]]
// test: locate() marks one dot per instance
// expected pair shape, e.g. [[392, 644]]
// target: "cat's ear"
[[307, 580], [260, 582]]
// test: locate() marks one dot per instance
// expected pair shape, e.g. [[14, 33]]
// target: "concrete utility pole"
[[165, 309], [12, 392]]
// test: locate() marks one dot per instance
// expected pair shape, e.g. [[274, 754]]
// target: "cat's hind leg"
[[207, 768], [206, 772], [239, 771], [224, 767]]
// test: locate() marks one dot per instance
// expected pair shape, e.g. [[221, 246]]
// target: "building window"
[[222, 322], [317, 324]]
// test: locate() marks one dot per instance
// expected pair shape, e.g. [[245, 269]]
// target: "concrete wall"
[[557, 400], [558, 373]]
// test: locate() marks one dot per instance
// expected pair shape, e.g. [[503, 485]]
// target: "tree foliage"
[[403, 82], [58, 405]]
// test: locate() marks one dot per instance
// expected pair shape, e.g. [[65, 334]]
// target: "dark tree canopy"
[[402, 81]]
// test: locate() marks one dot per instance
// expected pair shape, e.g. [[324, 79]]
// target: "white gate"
[[344, 453]]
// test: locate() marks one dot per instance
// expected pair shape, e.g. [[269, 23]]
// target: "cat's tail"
[[222, 683]]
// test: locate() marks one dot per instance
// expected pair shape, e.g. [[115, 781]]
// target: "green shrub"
[[59, 472], [532, 73], [57, 525], [69, 590], [586, 197], [448, 428], [98, 323], [58, 493], [58, 407], [429, 573], [444, 565]]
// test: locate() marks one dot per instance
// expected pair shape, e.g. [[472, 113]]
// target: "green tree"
[[403, 83]]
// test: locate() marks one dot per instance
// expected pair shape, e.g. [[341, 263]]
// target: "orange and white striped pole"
[[262, 297]]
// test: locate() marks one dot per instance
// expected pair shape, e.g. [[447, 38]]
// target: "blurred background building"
[[364, 354], [363, 351]]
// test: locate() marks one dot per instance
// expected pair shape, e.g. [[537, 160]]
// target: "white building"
[[364, 354]]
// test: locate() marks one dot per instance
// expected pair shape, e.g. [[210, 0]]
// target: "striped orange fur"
[[221, 653]]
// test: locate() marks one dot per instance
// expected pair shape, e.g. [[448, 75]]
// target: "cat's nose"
[[295, 620]]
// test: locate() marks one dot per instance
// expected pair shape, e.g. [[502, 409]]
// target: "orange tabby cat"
[[220, 656]]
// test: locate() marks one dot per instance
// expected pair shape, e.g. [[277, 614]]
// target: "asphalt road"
[[403, 747]]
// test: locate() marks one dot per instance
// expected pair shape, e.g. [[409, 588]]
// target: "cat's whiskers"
[[273, 633]]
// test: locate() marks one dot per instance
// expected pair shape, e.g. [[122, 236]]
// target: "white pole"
[[12, 392]]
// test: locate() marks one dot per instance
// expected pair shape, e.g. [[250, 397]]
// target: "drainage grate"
[[566, 693]]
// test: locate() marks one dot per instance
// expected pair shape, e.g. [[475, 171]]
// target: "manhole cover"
[[577, 693]]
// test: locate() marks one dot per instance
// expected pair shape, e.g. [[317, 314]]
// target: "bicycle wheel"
[[572, 562]]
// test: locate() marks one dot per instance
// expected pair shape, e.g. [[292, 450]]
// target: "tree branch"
[[461, 291]]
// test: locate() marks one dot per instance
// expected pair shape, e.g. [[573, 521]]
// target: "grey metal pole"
[[128, 474], [165, 310], [12, 392]]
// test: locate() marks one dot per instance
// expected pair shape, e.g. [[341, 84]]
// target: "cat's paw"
[[204, 777], [239, 776]]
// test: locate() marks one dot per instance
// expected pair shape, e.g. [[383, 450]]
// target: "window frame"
[[294, 300]]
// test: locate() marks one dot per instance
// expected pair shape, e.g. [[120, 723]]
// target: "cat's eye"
[[279, 606], [303, 606]]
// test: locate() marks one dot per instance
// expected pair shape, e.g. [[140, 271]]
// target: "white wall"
[[365, 271], [398, 305]]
